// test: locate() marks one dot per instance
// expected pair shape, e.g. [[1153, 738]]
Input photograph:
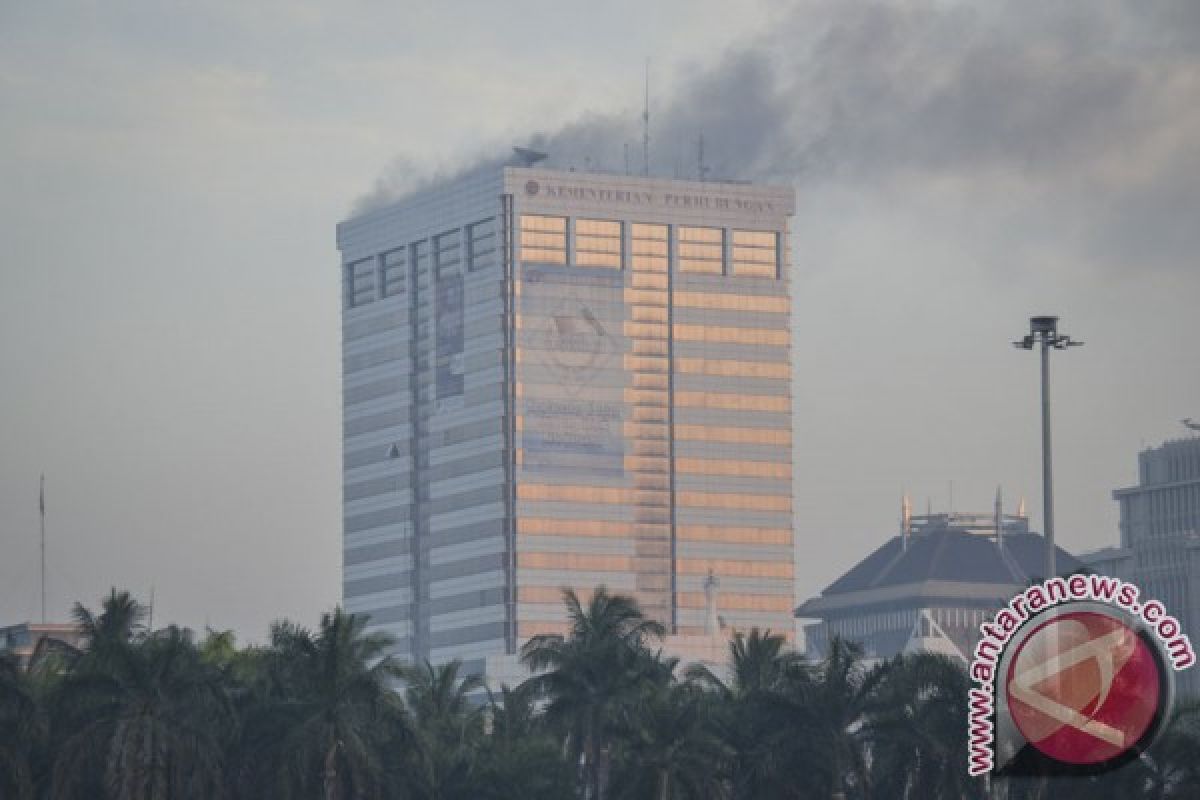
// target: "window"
[[360, 282], [420, 258], [756, 254], [648, 247], [702, 250], [481, 245], [392, 274], [543, 239], [597, 243], [447, 253]]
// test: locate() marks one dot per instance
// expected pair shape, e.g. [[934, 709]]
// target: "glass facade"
[[654, 413], [558, 391]]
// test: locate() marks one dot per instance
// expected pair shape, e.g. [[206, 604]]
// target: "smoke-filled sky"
[[170, 177]]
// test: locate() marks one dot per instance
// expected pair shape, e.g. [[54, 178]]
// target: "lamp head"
[[1047, 326]]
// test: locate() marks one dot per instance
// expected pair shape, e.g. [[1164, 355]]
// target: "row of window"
[[598, 243], [387, 274], [684, 566], [613, 495], [886, 621]]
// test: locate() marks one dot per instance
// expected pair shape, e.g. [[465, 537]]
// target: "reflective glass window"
[[392, 270], [701, 250], [543, 239], [755, 254], [360, 282], [597, 243]]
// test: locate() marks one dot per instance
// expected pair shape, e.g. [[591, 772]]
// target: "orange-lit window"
[[649, 314], [646, 363], [731, 467], [735, 402], [648, 247], [733, 368], [597, 243], [721, 533], [755, 254], [730, 435], [527, 630], [575, 561], [735, 569], [722, 333], [733, 302], [743, 502], [543, 239], [552, 526], [550, 492], [645, 281], [738, 602], [701, 250]]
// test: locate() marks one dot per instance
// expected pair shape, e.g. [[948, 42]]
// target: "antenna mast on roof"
[[701, 170], [42, 514], [646, 126], [999, 518]]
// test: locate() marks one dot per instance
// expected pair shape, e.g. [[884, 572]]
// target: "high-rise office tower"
[[557, 379]]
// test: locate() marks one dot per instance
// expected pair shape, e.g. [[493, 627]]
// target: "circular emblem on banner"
[[1086, 688], [577, 344], [531, 187]]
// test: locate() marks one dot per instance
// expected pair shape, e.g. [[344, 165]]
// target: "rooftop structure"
[[932, 585]]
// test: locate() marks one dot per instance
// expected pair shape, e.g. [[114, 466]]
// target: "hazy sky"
[[170, 182]]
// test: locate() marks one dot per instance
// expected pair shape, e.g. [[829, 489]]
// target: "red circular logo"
[[1084, 688]]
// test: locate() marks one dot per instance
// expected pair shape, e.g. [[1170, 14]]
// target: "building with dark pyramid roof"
[[931, 586]]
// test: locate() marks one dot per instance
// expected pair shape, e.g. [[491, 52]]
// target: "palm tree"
[[670, 747], [763, 719], [834, 696], [589, 674], [520, 756], [321, 712], [1173, 755], [119, 622], [22, 730], [147, 715], [917, 726], [447, 730]]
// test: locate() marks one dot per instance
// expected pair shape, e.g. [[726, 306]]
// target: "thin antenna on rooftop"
[[646, 126], [999, 518], [42, 513], [627, 158], [701, 170]]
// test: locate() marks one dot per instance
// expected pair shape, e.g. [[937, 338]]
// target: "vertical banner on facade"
[[449, 346], [572, 373]]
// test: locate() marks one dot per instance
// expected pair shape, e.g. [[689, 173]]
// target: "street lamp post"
[[1044, 331]]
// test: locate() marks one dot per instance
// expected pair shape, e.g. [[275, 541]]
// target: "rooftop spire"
[[711, 623], [999, 517]]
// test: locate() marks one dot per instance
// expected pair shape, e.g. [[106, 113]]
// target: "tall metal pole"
[[1044, 331], [1047, 470], [42, 513]]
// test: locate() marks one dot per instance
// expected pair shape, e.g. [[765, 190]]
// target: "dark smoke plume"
[[1095, 103]]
